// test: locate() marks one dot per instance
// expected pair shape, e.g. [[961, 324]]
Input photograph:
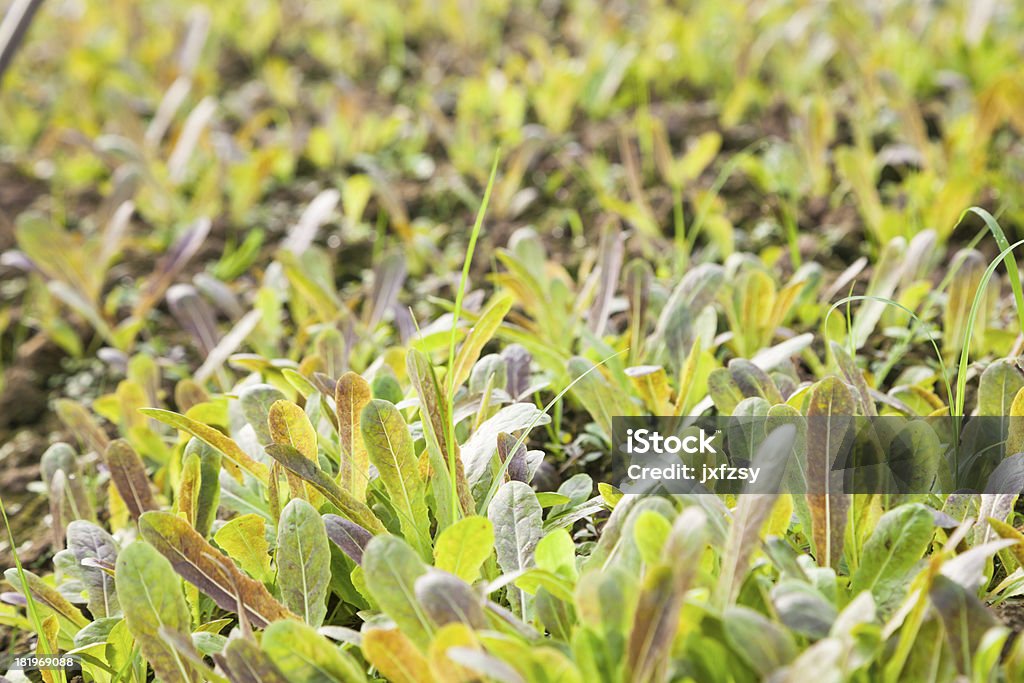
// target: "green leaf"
[[228, 448], [391, 568], [550, 499], [967, 267], [965, 617], [518, 526], [306, 469], [656, 621], [651, 383], [802, 608], [209, 570], [605, 602], [435, 418], [44, 595], [915, 456], [999, 385], [516, 516], [829, 414], [256, 401], [617, 543], [82, 424], [556, 553], [855, 378], [753, 510], [597, 395], [1015, 433], [208, 496], [463, 547], [351, 396], [478, 451], [724, 391], [1004, 530], [677, 326], [152, 600], [650, 531], [884, 279], [391, 450], [303, 561], [758, 641], [386, 387], [534, 580], [753, 298], [289, 425], [305, 656], [89, 542], [187, 501], [895, 547], [244, 661], [486, 325], [753, 381], [244, 540], [396, 656], [657, 614]]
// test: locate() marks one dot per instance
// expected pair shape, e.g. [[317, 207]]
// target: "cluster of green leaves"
[[364, 493], [304, 528], [236, 117]]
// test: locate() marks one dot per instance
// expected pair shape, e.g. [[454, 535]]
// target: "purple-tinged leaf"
[[517, 470], [12, 258], [209, 570], [82, 424], [517, 363], [129, 477], [390, 448], [172, 263], [435, 418], [638, 277], [194, 315], [448, 599], [609, 266], [114, 233], [238, 458], [388, 278], [220, 294], [347, 535]]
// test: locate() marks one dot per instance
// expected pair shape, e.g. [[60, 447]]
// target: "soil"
[[26, 426]]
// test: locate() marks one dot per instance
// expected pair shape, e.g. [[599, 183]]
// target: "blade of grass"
[[1008, 259], [37, 622], [933, 300], [449, 434], [889, 302], [961, 379]]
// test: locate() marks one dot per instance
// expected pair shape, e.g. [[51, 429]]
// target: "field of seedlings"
[[330, 330]]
